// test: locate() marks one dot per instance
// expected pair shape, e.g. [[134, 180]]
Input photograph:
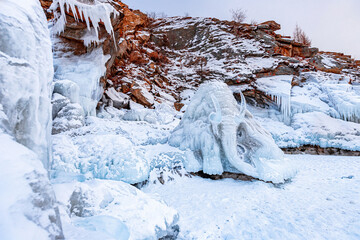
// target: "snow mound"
[[102, 202], [27, 200]]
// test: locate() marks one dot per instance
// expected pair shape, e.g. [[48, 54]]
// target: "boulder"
[[143, 96], [119, 99], [269, 25]]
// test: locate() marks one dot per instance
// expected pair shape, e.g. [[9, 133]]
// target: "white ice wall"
[[26, 72]]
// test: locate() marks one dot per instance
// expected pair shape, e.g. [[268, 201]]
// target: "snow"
[[26, 73], [113, 206], [225, 137], [321, 202], [27, 199], [314, 128], [328, 61]]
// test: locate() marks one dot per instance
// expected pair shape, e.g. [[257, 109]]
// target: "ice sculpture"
[[218, 135]]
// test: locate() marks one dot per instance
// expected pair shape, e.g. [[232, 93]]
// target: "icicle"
[[283, 102], [90, 13]]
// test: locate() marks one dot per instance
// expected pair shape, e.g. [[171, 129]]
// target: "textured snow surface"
[[99, 209], [114, 149], [321, 202], [26, 74], [27, 200]]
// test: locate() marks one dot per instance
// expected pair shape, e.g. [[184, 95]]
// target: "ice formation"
[[328, 93], [279, 89], [26, 74], [85, 71], [219, 136], [92, 12]]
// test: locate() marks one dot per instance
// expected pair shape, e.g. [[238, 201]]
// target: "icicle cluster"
[[92, 12], [345, 99], [279, 89], [285, 107]]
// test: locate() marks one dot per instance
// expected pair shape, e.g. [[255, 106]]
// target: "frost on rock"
[[26, 74], [218, 135], [91, 11], [27, 199], [111, 205], [279, 89]]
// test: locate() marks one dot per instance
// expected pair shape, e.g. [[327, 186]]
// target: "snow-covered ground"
[[321, 202]]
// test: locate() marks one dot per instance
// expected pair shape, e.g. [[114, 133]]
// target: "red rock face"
[[138, 55], [270, 25]]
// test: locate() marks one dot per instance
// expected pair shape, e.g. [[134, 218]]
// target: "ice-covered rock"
[[219, 136], [102, 202], [58, 101], [68, 89], [142, 95], [85, 71], [26, 73], [69, 117], [119, 99], [28, 208], [92, 12]]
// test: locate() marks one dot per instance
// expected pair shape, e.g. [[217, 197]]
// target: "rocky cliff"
[[150, 62]]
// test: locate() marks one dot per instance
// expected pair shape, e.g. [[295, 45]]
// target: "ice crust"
[[26, 74], [223, 136], [319, 203]]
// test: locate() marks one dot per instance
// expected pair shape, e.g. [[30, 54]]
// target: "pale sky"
[[332, 25]]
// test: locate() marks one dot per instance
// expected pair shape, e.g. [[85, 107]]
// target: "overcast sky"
[[332, 25]]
